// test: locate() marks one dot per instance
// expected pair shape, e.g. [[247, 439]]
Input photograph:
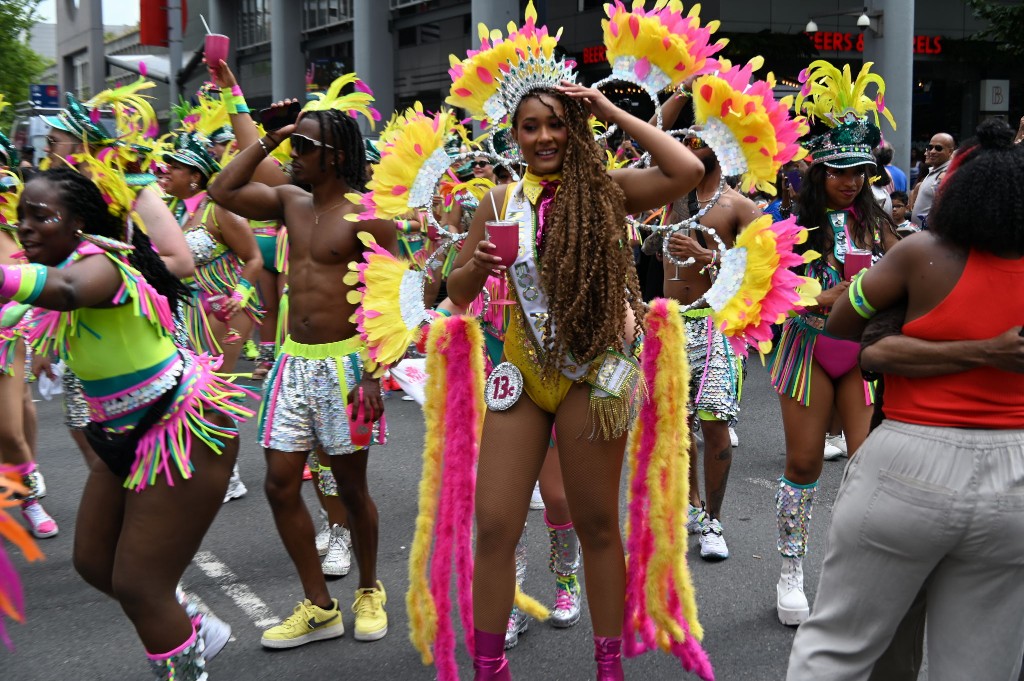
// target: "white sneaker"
[[695, 519], [236, 489], [215, 633], [734, 439], [338, 560], [835, 447], [791, 603], [712, 543], [536, 501], [323, 537], [40, 524]]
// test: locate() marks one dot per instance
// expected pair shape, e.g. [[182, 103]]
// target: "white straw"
[[208, 31], [496, 216]]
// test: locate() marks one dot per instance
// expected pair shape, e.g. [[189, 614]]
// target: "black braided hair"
[[82, 199], [813, 212], [339, 130]]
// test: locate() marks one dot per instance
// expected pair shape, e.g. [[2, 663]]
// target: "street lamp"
[[867, 19]]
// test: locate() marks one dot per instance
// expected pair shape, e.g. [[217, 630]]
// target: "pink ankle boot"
[[608, 655], [489, 663]]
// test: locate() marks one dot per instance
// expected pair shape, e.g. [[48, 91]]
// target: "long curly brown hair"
[[587, 267]]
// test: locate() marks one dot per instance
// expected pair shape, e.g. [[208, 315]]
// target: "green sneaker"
[[307, 623], [252, 352]]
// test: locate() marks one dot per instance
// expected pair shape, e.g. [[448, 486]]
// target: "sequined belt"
[[814, 321], [265, 231], [111, 407]]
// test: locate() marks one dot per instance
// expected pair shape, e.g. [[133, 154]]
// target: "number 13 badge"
[[504, 386]]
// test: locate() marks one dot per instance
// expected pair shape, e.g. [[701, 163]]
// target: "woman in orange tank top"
[[936, 492]]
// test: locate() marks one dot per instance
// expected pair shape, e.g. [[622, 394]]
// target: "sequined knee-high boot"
[[793, 511], [518, 621], [184, 663], [564, 563]]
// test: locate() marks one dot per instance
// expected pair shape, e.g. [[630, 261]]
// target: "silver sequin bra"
[[205, 249]]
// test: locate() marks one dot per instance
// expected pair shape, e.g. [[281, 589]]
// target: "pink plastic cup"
[[217, 306], [856, 262], [216, 49], [504, 235], [360, 431]]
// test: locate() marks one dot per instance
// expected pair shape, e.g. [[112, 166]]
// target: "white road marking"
[[244, 597], [761, 482]]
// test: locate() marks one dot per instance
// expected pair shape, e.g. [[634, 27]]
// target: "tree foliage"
[[20, 65], [1006, 23]]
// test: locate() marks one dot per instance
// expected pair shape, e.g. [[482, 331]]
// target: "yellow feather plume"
[[359, 101], [834, 96]]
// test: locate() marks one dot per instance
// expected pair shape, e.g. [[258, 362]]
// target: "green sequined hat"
[[190, 148], [847, 145], [8, 152], [222, 135], [78, 120]]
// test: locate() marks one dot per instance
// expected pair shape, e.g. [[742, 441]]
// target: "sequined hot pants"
[[306, 395], [714, 371]]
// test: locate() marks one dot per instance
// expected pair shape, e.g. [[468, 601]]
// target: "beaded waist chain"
[[109, 407]]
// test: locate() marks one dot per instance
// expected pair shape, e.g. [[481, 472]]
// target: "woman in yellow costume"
[[570, 356], [572, 342]]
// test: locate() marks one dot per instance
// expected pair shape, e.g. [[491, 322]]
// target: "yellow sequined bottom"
[[546, 392]]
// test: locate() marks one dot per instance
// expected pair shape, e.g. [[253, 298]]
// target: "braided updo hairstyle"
[[587, 267], [82, 198]]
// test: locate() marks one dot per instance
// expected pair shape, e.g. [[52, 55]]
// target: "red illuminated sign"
[[594, 55], [829, 41]]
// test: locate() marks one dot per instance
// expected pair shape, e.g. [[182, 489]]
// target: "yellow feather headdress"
[[490, 82], [841, 102], [413, 159], [660, 48], [751, 133]]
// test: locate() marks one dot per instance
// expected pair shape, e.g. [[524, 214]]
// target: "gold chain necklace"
[[317, 216]]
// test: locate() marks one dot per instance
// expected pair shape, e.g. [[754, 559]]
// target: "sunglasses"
[[480, 164], [694, 143], [304, 145], [52, 142], [934, 147]]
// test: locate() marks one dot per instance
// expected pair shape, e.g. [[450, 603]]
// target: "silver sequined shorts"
[[305, 396], [715, 373]]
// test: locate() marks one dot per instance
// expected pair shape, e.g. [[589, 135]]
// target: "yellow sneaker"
[[371, 620], [307, 623]]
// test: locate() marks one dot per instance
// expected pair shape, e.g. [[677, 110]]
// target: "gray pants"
[[917, 504]]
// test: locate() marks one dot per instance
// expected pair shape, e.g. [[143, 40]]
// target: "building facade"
[[280, 48]]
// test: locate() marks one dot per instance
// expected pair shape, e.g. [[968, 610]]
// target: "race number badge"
[[504, 387]]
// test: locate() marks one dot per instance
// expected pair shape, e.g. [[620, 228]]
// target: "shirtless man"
[[714, 369], [319, 371]]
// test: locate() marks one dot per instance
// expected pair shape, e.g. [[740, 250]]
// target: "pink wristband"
[[236, 90]]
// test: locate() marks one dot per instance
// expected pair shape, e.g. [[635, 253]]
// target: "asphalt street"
[[243, 574]]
